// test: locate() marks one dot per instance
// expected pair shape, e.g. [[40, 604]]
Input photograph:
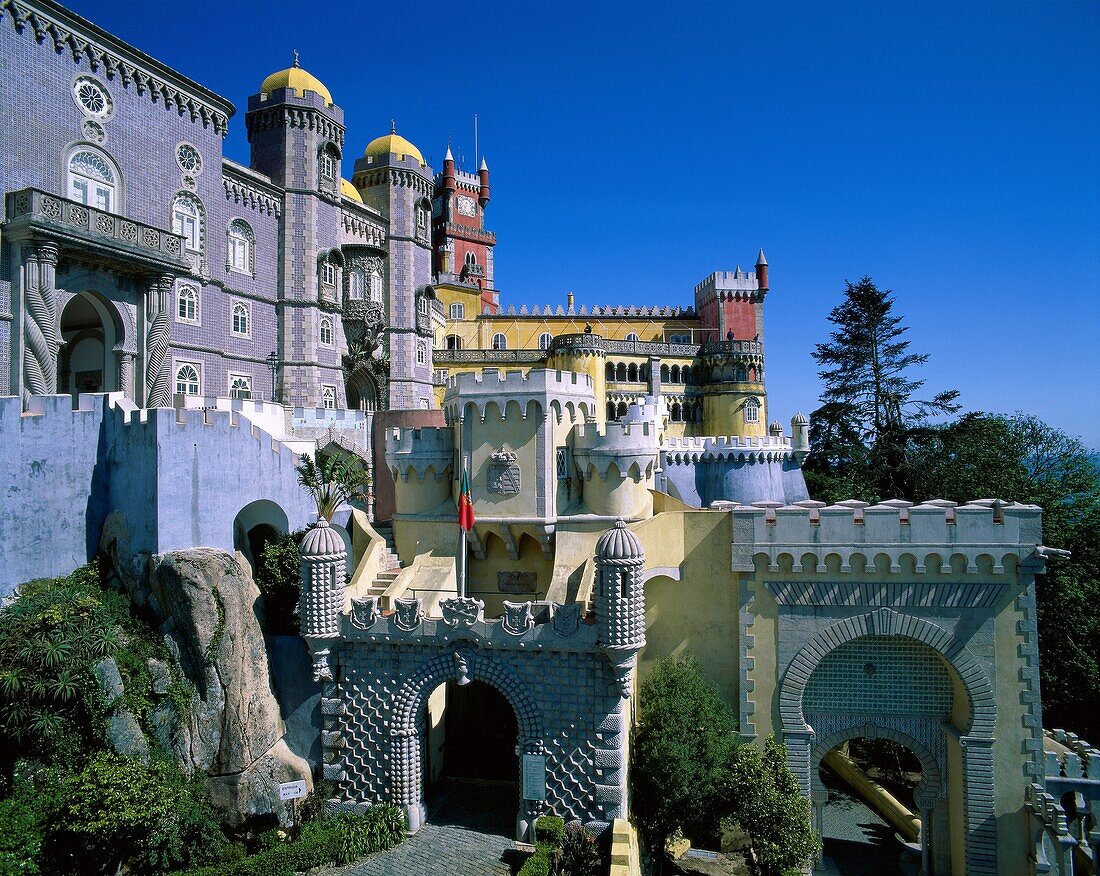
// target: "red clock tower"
[[462, 247]]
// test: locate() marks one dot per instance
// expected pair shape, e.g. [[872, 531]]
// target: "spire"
[[484, 166], [296, 64], [760, 260], [448, 156], [393, 130]]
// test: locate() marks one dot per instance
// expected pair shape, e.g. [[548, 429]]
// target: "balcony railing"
[[62, 218], [745, 348], [452, 357]]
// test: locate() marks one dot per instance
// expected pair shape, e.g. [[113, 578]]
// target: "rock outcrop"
[[210, 613]]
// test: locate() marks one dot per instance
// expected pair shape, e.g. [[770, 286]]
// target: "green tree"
[[772, 810], [332, 479], [859, 434], [278, 575], [1020, 458], [683, 753]]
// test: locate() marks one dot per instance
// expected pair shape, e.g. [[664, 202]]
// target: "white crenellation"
[[565, 393]]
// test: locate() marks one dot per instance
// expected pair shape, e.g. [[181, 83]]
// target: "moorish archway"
[[971, 745], [465, 663]]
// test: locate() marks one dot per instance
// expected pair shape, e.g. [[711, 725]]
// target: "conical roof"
[[619, 543]]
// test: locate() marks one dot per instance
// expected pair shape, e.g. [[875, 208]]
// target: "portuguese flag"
[[465, 504]]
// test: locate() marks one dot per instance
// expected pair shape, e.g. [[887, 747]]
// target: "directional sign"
[[292, 790]]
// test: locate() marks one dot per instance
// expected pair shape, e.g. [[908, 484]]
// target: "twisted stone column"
[[41, 329], [125, 361], [158, 382]]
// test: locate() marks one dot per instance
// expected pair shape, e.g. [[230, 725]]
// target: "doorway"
[[87, 339]]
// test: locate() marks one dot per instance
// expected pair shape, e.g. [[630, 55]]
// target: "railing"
[[469, 233], [573, 342], [750, 348], [454, 357], [94, 225]]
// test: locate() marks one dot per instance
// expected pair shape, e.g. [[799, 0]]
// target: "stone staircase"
[[390, 565]]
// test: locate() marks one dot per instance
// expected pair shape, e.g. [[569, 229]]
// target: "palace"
[[176, 328]]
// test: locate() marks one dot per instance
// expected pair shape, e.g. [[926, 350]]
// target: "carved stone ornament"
[[517, 618], [567, 619], [322, 665], [463, 611], [407, 613], [504, 474], [365, 611], [462, 668]]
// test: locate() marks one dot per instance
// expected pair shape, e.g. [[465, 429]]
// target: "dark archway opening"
[[481, 734], [85, 347]]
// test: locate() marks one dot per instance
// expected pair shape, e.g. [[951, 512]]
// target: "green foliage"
[[550, 829], [683, 752], [380, 827], [538, 864], [219, 627], [580, 853], [278, 575], [312, 808], [332, 480], [859, 433], [20, 838], [770, 807]]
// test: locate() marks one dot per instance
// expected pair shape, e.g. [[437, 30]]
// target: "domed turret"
[[350, 191], [800, 436], [393, 144], [324, 558], [298, 79], [620, 601]]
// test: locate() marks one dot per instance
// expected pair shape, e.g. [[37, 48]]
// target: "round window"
[[189, 160], [92, 97]]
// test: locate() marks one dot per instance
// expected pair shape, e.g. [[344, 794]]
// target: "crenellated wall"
[[731, 468], [177, 479]]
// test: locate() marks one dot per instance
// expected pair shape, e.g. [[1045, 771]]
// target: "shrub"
[[580, 853], [550, 829], [683, 753], [278, 574], [20, 838], [380, 827], [537, 865]]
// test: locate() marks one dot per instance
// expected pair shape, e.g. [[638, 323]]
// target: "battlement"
[[514, 392], [723, 446], [936, 531], [642, 432], [726, 281], [633, 311], [420, 449]]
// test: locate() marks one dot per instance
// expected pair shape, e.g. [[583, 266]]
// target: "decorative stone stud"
[[620, 600]]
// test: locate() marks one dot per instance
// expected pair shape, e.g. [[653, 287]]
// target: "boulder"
[[255, 792]]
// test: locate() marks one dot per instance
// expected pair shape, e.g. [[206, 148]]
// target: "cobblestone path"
[[469, 833]]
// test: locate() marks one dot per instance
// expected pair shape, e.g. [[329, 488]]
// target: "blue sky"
[[950, 151]]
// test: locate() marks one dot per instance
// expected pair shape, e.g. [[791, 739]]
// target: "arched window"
[[328, 397], [423, 211], [620, 371], [544, 340], [621, 410], [632, 336], [326, 165], [609, 371], [187, 304], [752, 411], [471, 259], [611, 410], [239, 255], [330, 265], [500, 342], [240, 324], [375, 278], [458, 311], [93, 180], [240, 386], [188, 217], [677, 413], [187, 379], [454, 342], [326, 331], [422, 306], [632, 372], [357, 283], [664, 374], [421, 354]]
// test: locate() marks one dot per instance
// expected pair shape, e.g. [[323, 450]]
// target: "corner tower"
[[297, 137], [462, 246], [393, 177]]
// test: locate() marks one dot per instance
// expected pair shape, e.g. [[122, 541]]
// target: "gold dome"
[[298, 79], [349, 191], [393, 144]]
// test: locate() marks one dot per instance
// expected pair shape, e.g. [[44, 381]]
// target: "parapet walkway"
[[469, 833]]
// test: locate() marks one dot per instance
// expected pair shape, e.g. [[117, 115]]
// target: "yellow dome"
[[393, 144], [349, 191], [298, 79]]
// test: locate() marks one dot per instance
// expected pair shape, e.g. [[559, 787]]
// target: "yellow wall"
[[483, 573], [724, 412]]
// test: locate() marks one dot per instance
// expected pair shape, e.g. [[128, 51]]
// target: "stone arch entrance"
[[255, 524], [966, 738], [408, 735], [93, 356], [362, 391], [930, 794]]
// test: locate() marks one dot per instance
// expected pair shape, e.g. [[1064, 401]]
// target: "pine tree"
[[870, 402]]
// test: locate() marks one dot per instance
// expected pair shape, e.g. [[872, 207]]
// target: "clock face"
[[466, 206]]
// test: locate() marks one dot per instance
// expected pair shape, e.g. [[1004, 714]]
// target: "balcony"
[[744, 348], [489, 357], [33, 213]]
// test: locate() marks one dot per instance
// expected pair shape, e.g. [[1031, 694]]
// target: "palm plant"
[[331, 480]]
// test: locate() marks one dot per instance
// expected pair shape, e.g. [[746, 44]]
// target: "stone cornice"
[[243, 189], [66, 31], [291, 116]]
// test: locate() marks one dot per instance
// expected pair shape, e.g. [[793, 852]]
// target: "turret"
[[620, 601], [800, 437], [761, 271], [323, 563], [483, 178], [449, 184]]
